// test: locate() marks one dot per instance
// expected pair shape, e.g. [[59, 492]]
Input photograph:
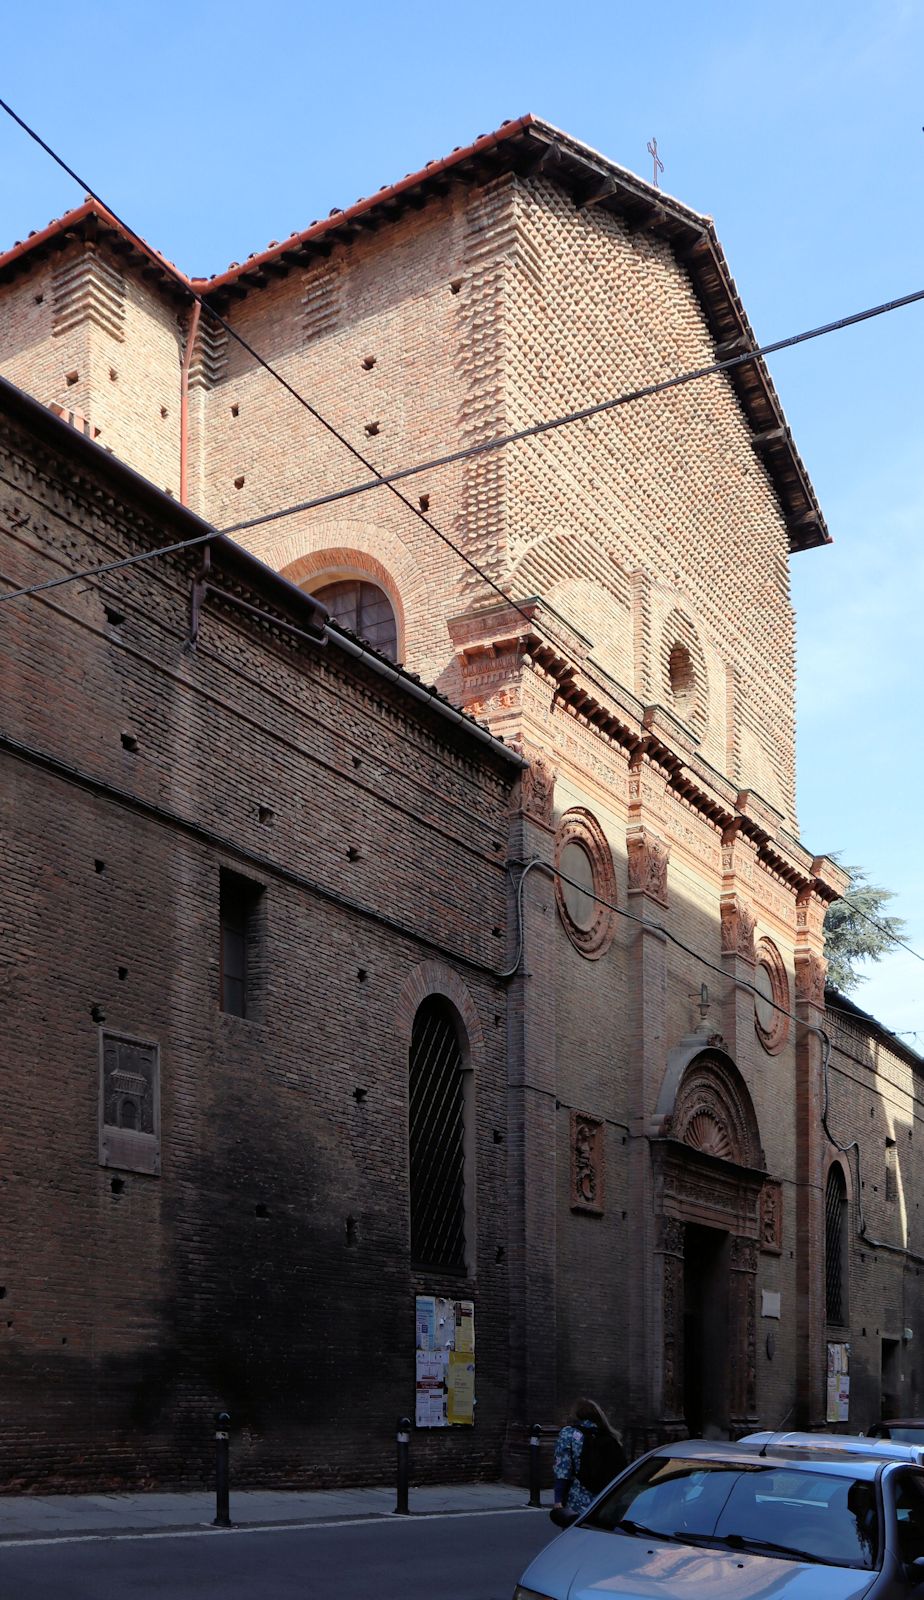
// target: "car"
[[906, 1430], [800, 1516]]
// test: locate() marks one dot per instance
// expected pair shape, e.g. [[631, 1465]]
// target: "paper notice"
[[426, 1321], [465, 1326], [460, 1401], [430, 1402]]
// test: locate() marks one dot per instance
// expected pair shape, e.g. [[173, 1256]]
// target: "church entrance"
[[705, 1331], [711, 1184]]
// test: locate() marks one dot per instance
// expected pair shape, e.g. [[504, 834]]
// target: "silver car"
[[800, 1516]]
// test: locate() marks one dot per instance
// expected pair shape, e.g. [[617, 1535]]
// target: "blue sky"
[[214, 129]]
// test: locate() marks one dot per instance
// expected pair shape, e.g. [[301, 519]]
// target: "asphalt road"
[[464, 1557]]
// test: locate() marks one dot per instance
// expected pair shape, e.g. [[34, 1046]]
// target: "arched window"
[[365, 610], [437, 1091], [836, 1248]]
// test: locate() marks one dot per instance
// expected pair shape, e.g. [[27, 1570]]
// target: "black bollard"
[[403, 1437], [222, 1475], [535, 1465]]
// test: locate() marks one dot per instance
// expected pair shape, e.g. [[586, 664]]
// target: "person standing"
[[588, 1455]]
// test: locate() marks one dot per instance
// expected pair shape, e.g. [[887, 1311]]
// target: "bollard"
[[535, 1465], [222, 1504], [403, 1437]]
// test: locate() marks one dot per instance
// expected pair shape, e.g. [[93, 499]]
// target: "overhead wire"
[[188, 288], [389, 480], [108, 566], [565, 419], [882, 927], [853, 1147]]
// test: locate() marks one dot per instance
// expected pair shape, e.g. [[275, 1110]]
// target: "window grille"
[[365, 610], [835, 1209], [437, 1139], [891, 1171]]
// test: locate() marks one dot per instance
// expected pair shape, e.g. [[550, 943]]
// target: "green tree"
[[857, 929]]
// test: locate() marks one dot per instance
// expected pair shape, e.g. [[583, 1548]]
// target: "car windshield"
[[767, 1509]]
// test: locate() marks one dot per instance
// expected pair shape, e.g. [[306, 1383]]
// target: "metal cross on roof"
[[658, 163]]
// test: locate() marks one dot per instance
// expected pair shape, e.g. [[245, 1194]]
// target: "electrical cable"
[[172, 272], [738, 983], [389, 480], [846, 900], [566, 418], [109, 566]]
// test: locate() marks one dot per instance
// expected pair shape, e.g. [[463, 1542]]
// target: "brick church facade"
[[655, 1072]]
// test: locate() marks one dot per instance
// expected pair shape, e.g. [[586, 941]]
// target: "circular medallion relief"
[[772, 985], [584, 869]]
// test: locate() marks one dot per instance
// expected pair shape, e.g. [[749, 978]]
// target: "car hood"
[[586, 1565]]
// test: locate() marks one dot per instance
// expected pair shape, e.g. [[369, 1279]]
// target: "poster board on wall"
[[837, 1407], [444, 1362]]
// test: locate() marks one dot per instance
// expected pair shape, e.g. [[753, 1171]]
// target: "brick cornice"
[[504, 638]]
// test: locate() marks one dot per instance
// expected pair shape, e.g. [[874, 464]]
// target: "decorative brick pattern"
[[322, 300], [87, 288]]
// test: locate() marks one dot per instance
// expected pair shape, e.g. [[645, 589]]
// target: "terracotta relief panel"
[[738, 924], [648, 858], [810, 978], [588, 1164], [537, 788], [771, 1218]]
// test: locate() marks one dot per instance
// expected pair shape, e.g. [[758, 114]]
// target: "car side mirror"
[[564, 1519]]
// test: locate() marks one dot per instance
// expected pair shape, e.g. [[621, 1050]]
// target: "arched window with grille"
[[836, 1248], [439, 1085], [365, 610]]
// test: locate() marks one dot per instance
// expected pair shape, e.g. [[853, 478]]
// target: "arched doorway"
[[709, 1175]]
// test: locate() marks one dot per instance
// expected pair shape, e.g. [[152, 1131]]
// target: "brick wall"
[[876, 1100], [134, 1305], [84, 315], [649, 532]]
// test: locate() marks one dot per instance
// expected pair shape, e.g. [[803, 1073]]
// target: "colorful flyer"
[[426, 1321], [460, 1400], [430, 1398], [465, 1326]]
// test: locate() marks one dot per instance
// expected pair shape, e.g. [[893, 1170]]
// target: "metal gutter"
[[113, 475]]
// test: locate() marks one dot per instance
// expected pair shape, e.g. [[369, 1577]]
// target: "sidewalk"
[[109, 1515]]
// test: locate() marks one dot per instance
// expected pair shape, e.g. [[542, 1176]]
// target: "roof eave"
[[526, 147]]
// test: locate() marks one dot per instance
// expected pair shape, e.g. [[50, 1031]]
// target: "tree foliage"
[[850, 935]]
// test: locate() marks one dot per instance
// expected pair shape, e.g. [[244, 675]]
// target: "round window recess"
[[771, 1002], [578, 894], [585, 901]]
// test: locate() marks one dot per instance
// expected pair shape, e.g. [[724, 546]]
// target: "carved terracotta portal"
[[711, 1191]]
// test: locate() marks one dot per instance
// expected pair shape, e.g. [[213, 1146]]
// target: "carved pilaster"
[[810, 978], [536, 794], [738, 925], [670, 1243], [648, 858], [743, 1329]]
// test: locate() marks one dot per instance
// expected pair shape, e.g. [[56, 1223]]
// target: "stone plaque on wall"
[[587, 1163], [129, 1108]]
